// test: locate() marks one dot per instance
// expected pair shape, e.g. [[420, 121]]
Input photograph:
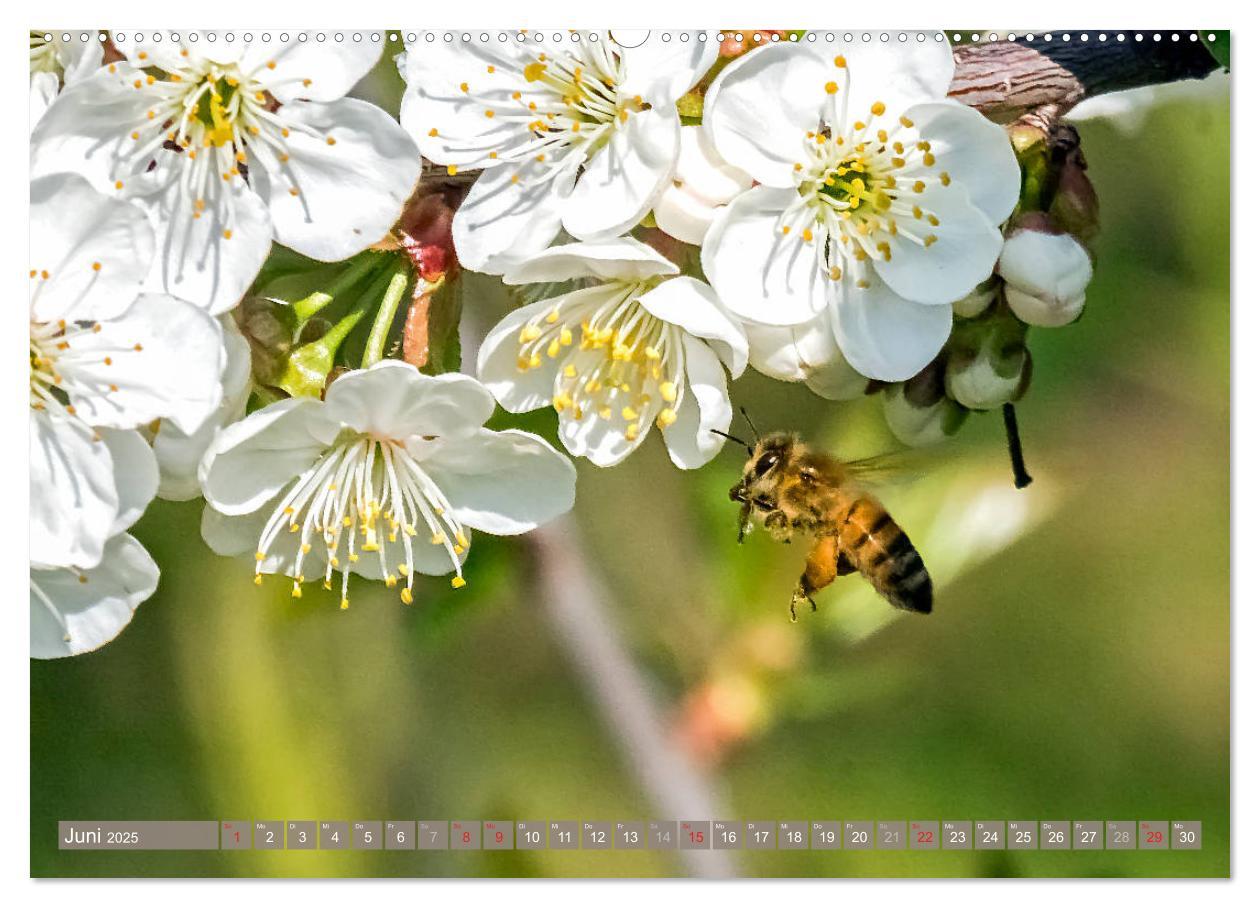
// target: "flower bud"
[[978, 300], [1075, 204], [917, 416], [1046, 274], [986, 378], [703, 183]]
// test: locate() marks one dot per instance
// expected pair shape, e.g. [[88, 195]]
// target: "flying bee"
[[793, 490]]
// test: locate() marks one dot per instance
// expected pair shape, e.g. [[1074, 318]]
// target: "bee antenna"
[[729, 437], [748, 419]]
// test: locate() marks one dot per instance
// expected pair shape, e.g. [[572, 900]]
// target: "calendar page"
[[582, 452]]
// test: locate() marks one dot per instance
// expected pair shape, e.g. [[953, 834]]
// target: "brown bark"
[[1039, 78]]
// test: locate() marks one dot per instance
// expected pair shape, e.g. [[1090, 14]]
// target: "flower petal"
[[450, 87], [516, 391], [503, 483], [510, 212], [233, 535], [759, 108], [622, 180], [252, 460], [975, 152], [305, 69], [884, 336], [693, 306], [666, 70], [44, 88], [600, 441], [806, 353], [209, 260], [623, 258], [353, 168], [966, 248], [760, 274], [161, 358], [899, 75], [70, 615], [95, 249], [179, 454], [74, 496], [690, 439], [135, 475], [87, 132], [395, 400]]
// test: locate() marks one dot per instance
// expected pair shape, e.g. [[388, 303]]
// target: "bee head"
[[765, 461]]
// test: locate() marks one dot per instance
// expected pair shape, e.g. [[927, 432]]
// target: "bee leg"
[[820, 570], [745, 521], [777, 523], [800, 595]]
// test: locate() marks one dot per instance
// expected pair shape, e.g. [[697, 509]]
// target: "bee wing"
[[891, 468]]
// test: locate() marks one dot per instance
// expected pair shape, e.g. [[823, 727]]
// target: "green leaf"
[[1218, 48]]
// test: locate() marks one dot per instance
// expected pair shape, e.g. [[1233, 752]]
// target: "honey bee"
[[791, 490]]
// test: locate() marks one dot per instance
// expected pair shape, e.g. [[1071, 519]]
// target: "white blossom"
[[77, 610], [701, 186], [578, 134], [179, 453], [103, 362], [227, 145], [636, 346], [878, 197], [385, 478], [1045, 276], [58, 61]]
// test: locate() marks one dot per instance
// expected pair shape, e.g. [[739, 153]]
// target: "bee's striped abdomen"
[[884, 555]]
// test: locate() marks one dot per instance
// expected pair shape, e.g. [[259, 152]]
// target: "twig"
[[1007, 79], [1015, 447], [578, 608]]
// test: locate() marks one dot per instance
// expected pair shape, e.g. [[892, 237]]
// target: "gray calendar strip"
[[632, 835]]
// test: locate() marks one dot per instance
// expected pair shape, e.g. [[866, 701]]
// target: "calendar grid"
[[632, 835]]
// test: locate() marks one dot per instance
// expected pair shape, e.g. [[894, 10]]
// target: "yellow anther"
[[929, 239], [451, 170], [669, 391], [840, 62], [944, 178], [832, 88], [906, 122], [666, 418], [406, 596], [458, 583], [835, 272], [534, 71], [258, 580], [345, 604]]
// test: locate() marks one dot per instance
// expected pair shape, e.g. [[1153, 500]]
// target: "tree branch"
[[1006, 79]]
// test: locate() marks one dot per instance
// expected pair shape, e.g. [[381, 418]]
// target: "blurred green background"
[[1076, 666]]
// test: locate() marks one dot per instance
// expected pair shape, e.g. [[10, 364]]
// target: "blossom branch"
[[1007, 79]]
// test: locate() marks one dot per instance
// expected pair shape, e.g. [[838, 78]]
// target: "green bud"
[[986, 378], [306, 370], [978, 301], [919, 426]]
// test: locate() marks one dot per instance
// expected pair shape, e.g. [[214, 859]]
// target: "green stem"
[[375, 349], [307, 307]]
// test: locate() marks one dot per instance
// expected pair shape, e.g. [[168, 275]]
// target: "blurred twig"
[[576, 604]]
